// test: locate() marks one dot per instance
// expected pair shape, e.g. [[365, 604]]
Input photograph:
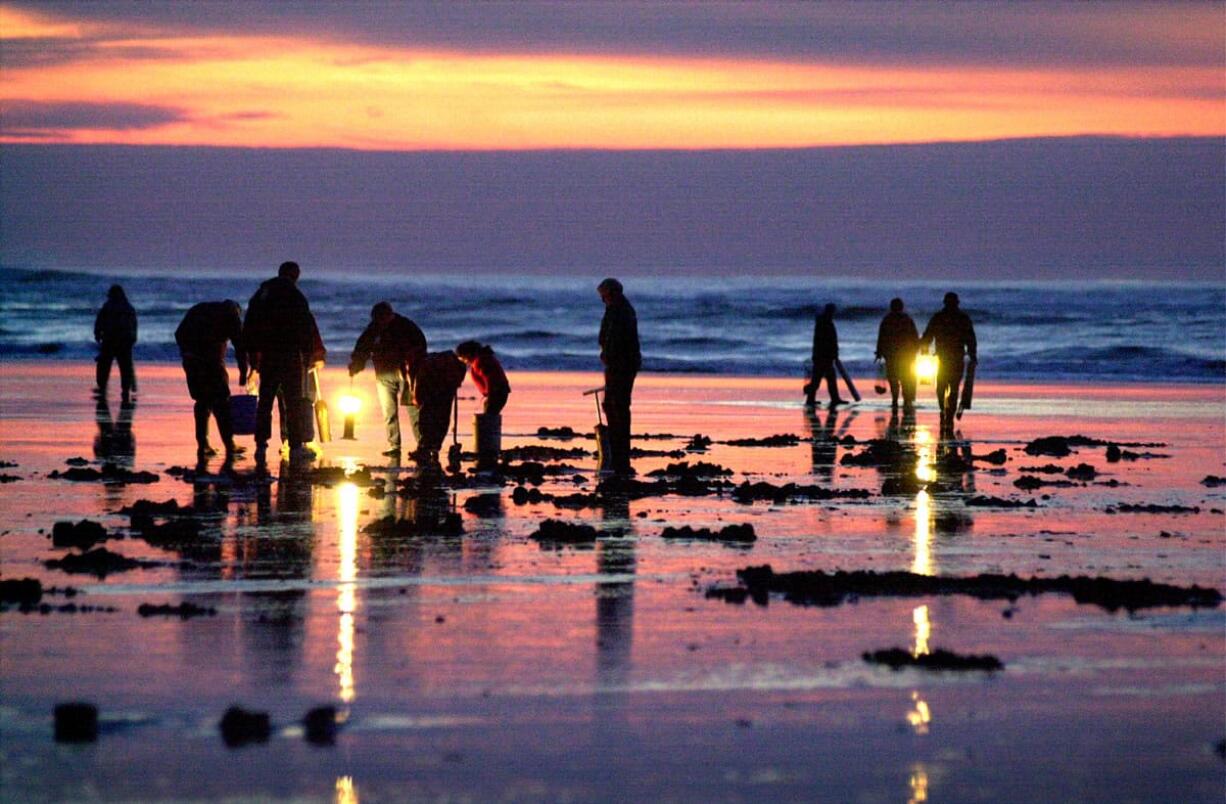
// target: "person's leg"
[[388, 388], [495, 402], [298, 425], [909, 382], [200, 410], [102, 372], [127, 373], [832, 381], [616, 404], [270, 387]]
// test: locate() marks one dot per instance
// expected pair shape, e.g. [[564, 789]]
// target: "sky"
[[826, 81]]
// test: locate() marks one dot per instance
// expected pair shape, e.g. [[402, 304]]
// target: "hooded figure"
[[825, 352], [954, 335], [115, 333], [897, 344]]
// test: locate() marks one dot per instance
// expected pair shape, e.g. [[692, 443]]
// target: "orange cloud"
[[292, 92]]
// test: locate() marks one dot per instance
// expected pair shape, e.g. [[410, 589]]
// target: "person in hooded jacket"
[[487, 373], [115, 334], [897, 344], [202, 337], [283, 343], [395, 345], [954, 335], [439, 376]]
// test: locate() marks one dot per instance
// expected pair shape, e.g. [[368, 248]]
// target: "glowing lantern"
[[926, 369], [349, 406]]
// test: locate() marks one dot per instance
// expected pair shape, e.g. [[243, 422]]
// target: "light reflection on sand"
[[481, 643]]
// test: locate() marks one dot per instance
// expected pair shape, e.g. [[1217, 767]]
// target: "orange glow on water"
[[290, 92]]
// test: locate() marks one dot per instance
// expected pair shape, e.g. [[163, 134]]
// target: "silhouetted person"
[[487, 373], [622, 359], [282, 343], [438, 378], [825, 352], [395, 345], [897, 345], [115, 333], [954, 335], [202, 337]]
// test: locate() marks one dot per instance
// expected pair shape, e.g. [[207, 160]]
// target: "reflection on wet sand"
[[917, 784], [346, 591], [346, 790]]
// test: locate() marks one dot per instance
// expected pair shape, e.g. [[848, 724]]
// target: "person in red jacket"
[[487, 373]]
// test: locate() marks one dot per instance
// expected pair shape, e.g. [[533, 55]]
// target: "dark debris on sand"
[[9, 478], [449, 523], [240, 727], [559, 433], [748, 493], [99, 561], [109, 473], [320, 725], [985, 501], [1031, 483], [1062, 446], [701, 469], [736, 534], [83, 534], [22, 591], [538, 452], [556, 533], [76, 722], [938, 659], [1213, 481], [817, 588], [1151, 508], [780, 440], [184, 611]]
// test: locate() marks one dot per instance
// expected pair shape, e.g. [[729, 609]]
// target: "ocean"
[[1070, 331]]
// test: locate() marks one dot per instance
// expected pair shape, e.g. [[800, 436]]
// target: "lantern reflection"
[[918, 782], [922, 563], [346, 591], [346, 790]]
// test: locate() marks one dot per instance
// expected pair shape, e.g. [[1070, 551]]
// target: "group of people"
[[899, 343], [279, 341]]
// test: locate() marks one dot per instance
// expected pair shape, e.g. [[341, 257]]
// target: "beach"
[[466, 659]]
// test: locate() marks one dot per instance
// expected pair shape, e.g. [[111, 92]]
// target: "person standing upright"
[[897, 344], [954, 335], [115, 334], [283, 344], [395, 345], [622, 359], [825, 352], [202, 338]]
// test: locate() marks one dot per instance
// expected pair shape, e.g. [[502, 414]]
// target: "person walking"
[[954, 335], [622, 358], [283, 343], [395, 345], [202, 337], [897, 344], [487, 373], [825, 352], [115, 334]]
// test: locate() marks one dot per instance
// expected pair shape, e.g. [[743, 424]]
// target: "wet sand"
[[489, 666]]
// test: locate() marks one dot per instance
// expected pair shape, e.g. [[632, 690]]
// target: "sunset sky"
[[413, 77]]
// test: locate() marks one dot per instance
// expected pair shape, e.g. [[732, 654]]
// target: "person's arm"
[[879, 352], [318, 352], [972, 344], [362, 350], [98, 324], [926, 339], [240, 352]]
